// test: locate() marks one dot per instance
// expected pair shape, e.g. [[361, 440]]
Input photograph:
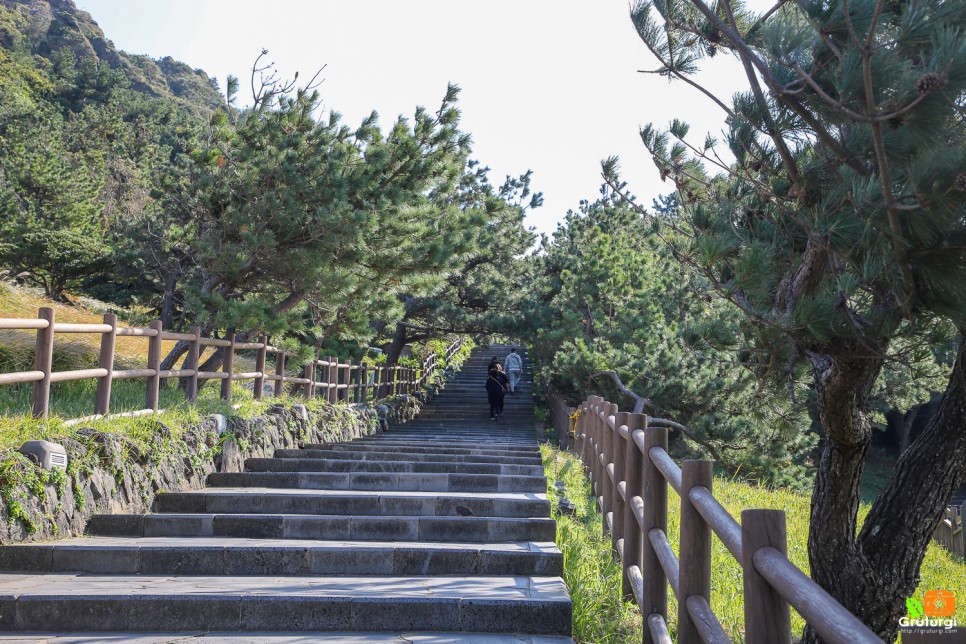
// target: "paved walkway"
[[436, 531]]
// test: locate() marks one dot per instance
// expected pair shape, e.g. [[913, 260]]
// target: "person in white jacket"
[[513, 365]]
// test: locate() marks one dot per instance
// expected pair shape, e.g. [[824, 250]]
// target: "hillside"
[[37, 32]]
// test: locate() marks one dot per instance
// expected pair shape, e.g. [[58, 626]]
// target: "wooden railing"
[[560, 418], [950, 532], [630, 470], [325, 377]]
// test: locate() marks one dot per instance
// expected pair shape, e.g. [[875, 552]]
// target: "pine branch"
[[639, 401], [684, 429]]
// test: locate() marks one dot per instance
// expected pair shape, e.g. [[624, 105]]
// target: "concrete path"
[[436, 531]]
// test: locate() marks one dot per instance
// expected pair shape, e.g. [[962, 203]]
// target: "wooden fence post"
[[43, 361], [193, 363], [620, 506], [634, 470], [228, 365], [352, 377], [308, 389], [578, 430], [364, 382], [695, 550], [609, 485], [153, 389], [333, 379], [279, 373], [767, 616], [596, 403], [102, 401], [259, 387], [345, 378], [592, 402], [585, 429], [655, 517]]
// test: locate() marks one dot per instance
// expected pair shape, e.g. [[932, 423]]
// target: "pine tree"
[[51, 233], [840, 233], [483, 290], [607, 296], [304, 226]]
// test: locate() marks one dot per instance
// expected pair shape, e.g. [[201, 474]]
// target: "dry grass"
[[21, 303]]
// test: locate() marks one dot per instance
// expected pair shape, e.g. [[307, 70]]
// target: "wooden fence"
[[560, 418], [950, 532], [630, 471], [328, 377]]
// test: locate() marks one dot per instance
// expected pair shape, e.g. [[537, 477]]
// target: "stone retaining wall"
[[110, 473]]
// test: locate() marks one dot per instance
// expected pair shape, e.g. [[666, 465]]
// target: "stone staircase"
[[436, 531]]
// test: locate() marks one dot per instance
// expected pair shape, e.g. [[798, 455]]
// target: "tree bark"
[[167, 301], [842, 387], [905, 424], [214, 361], [904, 517], [179, 349], [873, 573], [399, 338]]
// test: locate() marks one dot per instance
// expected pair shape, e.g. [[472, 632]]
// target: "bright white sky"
[[548, 85]]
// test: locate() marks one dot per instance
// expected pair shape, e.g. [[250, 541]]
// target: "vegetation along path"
[[438, 527]]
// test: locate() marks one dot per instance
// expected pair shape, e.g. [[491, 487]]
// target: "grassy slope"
[[19, 303], [594, 579]]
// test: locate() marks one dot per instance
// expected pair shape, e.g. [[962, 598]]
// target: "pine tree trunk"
[[179, 349], [396, 346], [904, 517], [842, 392], [167, 301], [873, 574], [213, 363], [905, 425]]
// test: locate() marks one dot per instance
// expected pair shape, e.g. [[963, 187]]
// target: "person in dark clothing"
[[505, 381], [493, 362], [494, 393]]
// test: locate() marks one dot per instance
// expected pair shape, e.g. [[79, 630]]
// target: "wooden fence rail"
[[329, 377], [630, 471]]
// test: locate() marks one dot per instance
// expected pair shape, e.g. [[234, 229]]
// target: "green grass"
[[591, 574], [594, 580], [75, 399]]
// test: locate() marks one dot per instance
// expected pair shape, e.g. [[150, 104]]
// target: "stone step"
[[381, 481], [342, 465], [348, 503], [386, 446], [453, 529], [292, 557], [364, 454], [428, 438], [282, 637], [141, 603], [473, 411], [493, 436], [486, 429], [476, 396]]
